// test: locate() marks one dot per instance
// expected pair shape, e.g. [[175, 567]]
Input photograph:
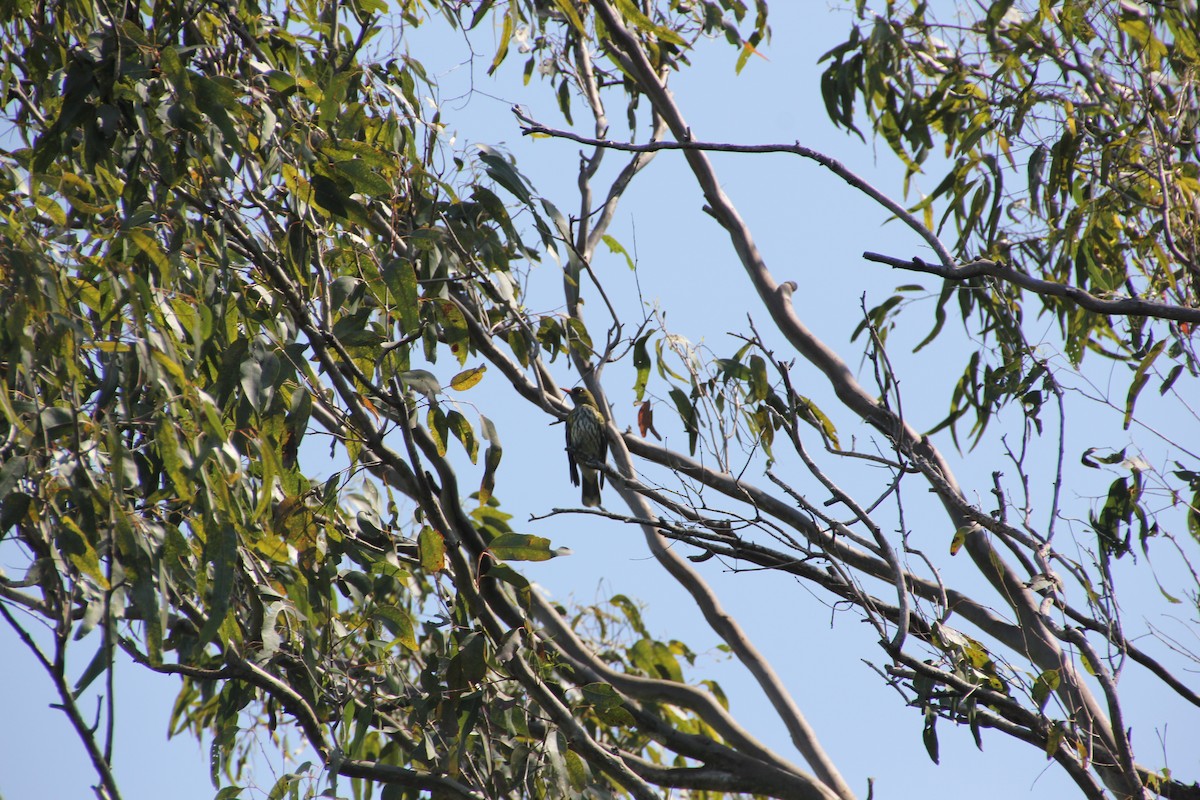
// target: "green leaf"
[[1193, 517], [687, 413], [1140, 375], [503, 572], [431, 548], [641, 362], [808, 411], [502, 172], [286, 782], [401, 280], [1044, 685], [1088, 666], [74, 543], [95, 668], [523, 547], [505, 37], [656, 660], [1054, 738], [567, 7], [633, 14], [152, 250], [601, 695], [577, 334], [491, 459], [1112, 458], [438, 426], [631, 613], [577, 770], [760, 384], [221, 553], [469, 664], [400, 623], [462, 431], [616, 247], [929, 734], [364, 180], [421, 380], [216, 100], [252, 385]]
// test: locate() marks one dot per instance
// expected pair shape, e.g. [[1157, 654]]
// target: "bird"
[[586, 441]]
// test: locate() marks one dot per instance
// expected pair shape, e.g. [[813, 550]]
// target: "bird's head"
[[582, 397]]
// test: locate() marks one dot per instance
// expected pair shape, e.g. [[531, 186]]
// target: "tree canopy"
[[240, 246]]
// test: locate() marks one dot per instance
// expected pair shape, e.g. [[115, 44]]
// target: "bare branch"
[[1124, 307], [56, 671], [530, 126]]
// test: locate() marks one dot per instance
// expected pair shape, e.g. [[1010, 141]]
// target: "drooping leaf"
[[491, 459], [641, 363], [523, 547], [468, 378]]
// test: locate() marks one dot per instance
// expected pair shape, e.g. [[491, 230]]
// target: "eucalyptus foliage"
[[236, 239]]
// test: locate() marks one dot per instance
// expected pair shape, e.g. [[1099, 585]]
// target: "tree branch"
[[1123, 307], [529, 127], [69, 707], [1038, 643]]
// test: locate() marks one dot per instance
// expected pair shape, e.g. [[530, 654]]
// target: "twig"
[[68, 706], [530, 127]]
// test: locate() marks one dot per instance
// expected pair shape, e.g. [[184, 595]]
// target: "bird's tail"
[[591, 488]]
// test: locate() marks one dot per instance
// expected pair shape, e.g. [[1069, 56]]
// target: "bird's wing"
[[571, 455], [603, 444]]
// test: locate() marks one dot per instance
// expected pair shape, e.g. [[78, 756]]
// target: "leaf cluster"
[[1062, 140]]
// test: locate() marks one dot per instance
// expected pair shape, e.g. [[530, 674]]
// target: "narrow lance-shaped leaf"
[[491, 459], [687, 413], [462, 431], [1140, 376], [502, 172], [641, 363], [221, 553], [616, 247]]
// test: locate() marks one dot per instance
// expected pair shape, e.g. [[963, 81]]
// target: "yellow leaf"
[[568, 10], [749, 48], [468, 378], [432, 549], [960, 536], [148, 245]]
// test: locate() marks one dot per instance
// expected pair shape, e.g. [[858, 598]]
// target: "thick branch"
[[728, 628], [1039, 643], [1122, 307], [1125, 307], [399, 776], [657, 691], [765, 781]]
